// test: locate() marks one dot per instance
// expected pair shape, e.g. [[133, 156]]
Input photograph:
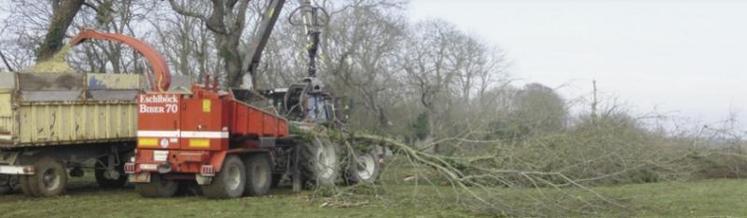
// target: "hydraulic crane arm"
[[312, 25], [261, 37], [158, 64]]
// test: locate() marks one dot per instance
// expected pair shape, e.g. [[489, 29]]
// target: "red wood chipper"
[[230, 146], [207, 136]]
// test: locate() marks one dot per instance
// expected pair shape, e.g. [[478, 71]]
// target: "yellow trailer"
[[67, 117], [52, 123]]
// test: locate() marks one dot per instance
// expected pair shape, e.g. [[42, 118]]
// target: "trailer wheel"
[[49, 180], [230, 181], [259, 177], [104, 180], [25, 186], [158, 187], [319, 162], [363, 168], [7, 184]]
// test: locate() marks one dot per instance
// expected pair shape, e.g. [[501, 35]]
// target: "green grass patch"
[[695, 199]]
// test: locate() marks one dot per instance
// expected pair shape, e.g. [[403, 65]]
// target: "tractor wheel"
[[49, 180], [362, 168], [259, 177], [158, 187], [105, 179], [319, 162], [230, 181]]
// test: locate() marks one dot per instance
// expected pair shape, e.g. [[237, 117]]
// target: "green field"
[[720, 198]]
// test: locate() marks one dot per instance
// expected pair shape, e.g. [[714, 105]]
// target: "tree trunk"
[[62, 18], [227, 33], [233, 61]]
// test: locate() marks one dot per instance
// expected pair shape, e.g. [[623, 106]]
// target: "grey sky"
[[683, 57]]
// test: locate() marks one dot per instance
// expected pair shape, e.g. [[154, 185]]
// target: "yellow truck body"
[[56, 110], [73, 122]]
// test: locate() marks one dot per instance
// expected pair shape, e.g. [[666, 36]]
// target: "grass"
[[696, 199], [84, 199], [711, 198]]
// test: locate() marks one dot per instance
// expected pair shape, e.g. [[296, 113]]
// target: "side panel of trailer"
[[56, 109], [6, 118], [75, 122]]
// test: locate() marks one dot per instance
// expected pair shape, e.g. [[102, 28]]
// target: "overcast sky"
[[683, 57]]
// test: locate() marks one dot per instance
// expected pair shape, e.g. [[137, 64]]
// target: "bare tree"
[[429, 71], [185, 41], [360, 55], [64, 12], [127, 17], [37, 26], [451, 72], [227, 20], [540, 109], [24, 30]]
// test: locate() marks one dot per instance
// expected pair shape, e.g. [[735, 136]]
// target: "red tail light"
[[207, 170], [129, 168]]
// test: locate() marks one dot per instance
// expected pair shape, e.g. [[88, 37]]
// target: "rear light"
[[207, 170], [129, 168]]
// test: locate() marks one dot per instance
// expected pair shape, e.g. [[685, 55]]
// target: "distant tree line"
[[415, 81]]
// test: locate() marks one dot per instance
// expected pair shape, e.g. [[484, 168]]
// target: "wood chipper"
[[52, 123], [232, 144], [207, 136]]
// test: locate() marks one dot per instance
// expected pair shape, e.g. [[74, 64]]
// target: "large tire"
[[25, 186], [363, 168], [7, 183], [158, 187], [319, 163], [103, 180], [259, 177], [230, 181], [49, 179]]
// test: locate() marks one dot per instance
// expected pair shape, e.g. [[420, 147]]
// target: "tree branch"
[[181, 10]]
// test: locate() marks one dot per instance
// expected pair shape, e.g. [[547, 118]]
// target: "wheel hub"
[[326, 160], [365, 166], [259, 180], [50, 179], [234, 177]]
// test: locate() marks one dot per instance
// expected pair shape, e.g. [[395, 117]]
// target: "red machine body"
[[191, 133], [229, 147]]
